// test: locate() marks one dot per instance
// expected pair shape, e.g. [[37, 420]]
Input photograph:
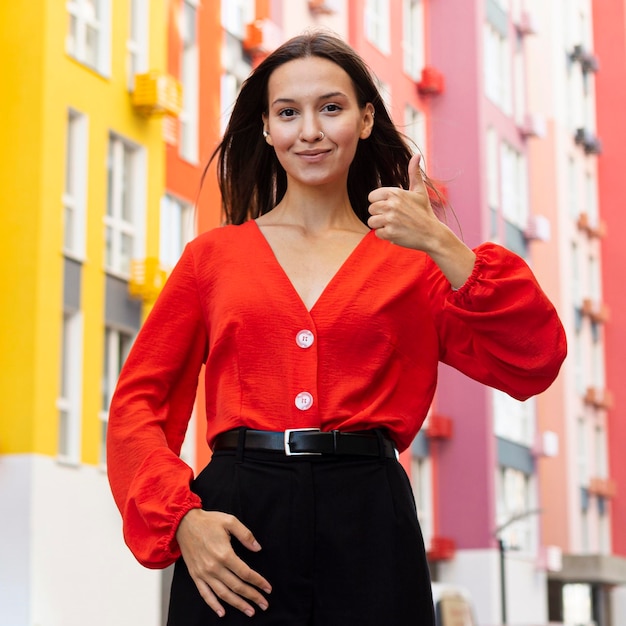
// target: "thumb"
[[416, 182]]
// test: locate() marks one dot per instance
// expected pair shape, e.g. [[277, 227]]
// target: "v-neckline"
[[285, 277]]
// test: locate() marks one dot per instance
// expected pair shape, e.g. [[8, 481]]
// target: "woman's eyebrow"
[[332, 94]]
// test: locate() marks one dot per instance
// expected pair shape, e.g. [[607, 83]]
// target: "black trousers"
[[340, 536]]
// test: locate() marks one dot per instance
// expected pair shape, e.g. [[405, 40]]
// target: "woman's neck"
[[315, 209]]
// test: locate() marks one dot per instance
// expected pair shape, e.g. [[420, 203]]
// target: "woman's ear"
[[368, 121], [266, 132]]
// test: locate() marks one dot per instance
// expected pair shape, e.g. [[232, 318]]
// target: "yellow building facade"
[[81, 181]]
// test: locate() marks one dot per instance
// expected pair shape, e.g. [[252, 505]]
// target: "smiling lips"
[[311, 155]]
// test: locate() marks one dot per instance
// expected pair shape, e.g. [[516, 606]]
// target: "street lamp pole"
[[502, 549]]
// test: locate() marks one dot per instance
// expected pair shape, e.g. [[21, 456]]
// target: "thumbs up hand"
[[406, 218]]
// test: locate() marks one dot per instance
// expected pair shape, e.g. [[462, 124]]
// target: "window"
[[189, 73], [69, 400], [88, 33], [125, 205], [600, 453], [497, 68], [176, 229], [591, 200], [137, 44], [577, 604], [513, 420], [75, 192], [384, 89], [413, 38], [377, 24], [493, 178], [579, 364], [582, 452], [514, 498], [117, 345], [573, 195], [514, 182], [415, 129], [229, 89], [519, 82], [421, 481], [236, 14]]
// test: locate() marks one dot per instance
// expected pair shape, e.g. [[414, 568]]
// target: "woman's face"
[[314, 121]]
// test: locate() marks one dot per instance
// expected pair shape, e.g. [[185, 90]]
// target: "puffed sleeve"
[[500, 328], [148, 417]]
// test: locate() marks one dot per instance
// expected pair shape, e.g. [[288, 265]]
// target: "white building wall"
[[64, 561], [478, 571], [297, 17], [618, 605]]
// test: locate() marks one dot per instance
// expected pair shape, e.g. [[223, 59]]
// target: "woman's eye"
[[287, 113], [332, 108]]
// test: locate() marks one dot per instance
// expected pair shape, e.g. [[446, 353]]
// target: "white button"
[[305, 338], [304, 400]]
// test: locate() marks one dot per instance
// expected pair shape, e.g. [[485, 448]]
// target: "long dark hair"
[[250, 177]]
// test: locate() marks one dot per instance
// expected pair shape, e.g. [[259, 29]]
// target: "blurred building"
[[609, 36], [577, 486], [85, 89], [115, 108]]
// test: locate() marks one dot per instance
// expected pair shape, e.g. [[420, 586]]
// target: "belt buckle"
[[287, 444]]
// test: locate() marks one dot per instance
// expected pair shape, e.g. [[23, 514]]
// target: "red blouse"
[[364, 356]]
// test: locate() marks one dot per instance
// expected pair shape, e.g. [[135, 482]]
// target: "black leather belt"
[[308, 441]]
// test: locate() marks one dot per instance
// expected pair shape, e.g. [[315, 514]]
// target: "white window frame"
[[413, 38], [230, 86], [514, 420], [493, 169], [235, 15], [582, 451], [498, 69], [377, 24], [421, 482], [190, 78], [415, 129], [125, 205], [69, 401], [114, 355], [90, 16], [515, 495], [514, 185], [177, 227], [138, 38], [519, 83], [75, 192]]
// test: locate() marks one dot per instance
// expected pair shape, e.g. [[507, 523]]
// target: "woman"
[[325, 304]]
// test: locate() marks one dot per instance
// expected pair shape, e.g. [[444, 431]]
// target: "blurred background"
[[110, 110]]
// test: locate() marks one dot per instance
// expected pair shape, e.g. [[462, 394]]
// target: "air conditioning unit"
[[596, 311], [550, 558], [432, 81], [589, 142], [441, 549], [439, 427], [147, 279], [587, 59], [527, 24], [157, 93], [262, 37], [534, 125], [323, 7], [538, 228], [546, 445], [603, 487]]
